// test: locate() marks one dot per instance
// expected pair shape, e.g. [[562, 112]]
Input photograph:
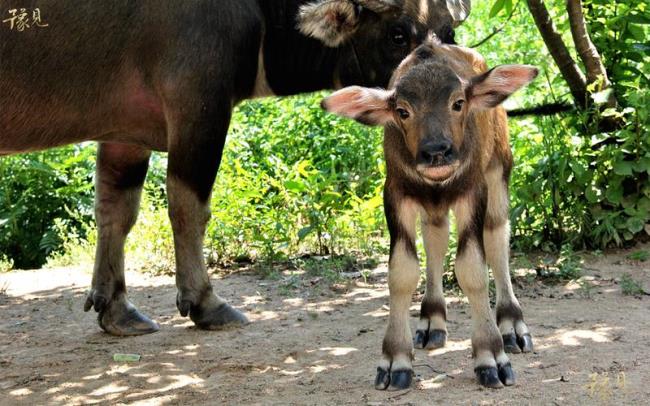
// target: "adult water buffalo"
[[164, 75]]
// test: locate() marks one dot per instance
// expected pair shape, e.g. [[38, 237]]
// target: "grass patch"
[[641, 256], [630, 286]]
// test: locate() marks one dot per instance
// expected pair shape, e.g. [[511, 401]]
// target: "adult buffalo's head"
[[375, 35]]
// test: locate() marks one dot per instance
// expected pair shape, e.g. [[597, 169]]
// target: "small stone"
[[439, 378]]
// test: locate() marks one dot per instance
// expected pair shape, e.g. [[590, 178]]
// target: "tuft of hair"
[[380, 6], [331, 21]]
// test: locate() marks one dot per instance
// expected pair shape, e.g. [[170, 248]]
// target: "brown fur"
[[446, 146]]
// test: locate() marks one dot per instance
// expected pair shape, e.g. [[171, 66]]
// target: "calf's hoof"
[[516, 344], [495, 377], [119, 317], [393, 380], [430, 339]]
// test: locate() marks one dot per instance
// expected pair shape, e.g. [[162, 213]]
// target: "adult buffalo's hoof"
[[430, 340], [516, 344], [119, 317], [506, 374], [393, 380], [525, 342], [488, 377], [217, 318]]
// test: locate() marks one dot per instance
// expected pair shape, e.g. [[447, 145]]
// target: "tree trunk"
[[553, 40], [587, 50]]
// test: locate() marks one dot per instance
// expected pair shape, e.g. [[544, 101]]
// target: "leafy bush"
[[575, 182], [296, 179], [39, 191]]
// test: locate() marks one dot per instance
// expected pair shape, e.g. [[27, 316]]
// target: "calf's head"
[[374, 36], [433, 107]]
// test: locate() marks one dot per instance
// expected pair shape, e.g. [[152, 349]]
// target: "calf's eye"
[[403, 114], [458, 105]]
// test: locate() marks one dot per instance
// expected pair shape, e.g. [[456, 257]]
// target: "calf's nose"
[[435, 152]]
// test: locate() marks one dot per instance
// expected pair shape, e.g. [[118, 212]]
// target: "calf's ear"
[[365, 105], [331, 21], [491, 88]]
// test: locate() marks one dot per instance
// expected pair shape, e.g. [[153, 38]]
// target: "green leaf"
[[635, 225], [614, 193], [497, 7], [294, 186], [304, 232], [623, 168]]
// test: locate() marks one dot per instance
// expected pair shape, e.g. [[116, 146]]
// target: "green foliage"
[[6, 264], [641, 256], [566, 267], [39, 194], [631, 287], [295, 179], [576, 182]]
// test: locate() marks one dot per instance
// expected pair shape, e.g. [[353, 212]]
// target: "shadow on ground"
[[310, 345]]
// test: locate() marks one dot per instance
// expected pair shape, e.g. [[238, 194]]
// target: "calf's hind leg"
[[121, 170], [432, 330], [491, 364], [395, 370], [496, 236]]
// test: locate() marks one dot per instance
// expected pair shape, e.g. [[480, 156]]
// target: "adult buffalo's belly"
[[125, 111], [83, 73]]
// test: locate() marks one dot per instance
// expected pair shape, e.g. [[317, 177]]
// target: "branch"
[[495, 31], [553, 40], [542, 110], [587, 50]]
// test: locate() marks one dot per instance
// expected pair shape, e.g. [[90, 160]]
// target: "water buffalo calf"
[[446, 146], [164, 75]]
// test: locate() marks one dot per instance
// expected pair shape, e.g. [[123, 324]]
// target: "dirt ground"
[[315, 343]]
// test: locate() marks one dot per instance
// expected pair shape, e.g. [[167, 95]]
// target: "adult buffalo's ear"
[[491, 88], [334, 21], [365, 105], [459, 10]]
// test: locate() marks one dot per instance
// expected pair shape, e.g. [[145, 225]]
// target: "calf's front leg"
[[395, 370], [432, 329], [491, 364], [496, 236], [121, 170]]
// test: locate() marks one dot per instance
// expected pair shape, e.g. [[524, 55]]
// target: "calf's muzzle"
[[436, 152]]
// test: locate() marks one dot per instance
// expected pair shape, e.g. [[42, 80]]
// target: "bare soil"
[[317, 343]]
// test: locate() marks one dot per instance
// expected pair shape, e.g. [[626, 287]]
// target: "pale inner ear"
[[493, 87], [332, 21], [368, 106]]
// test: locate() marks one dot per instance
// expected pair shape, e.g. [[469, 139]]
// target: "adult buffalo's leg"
[[496, 236], [432, 330], [395, 370], [195, 147], [121, 170], [491, 364]]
